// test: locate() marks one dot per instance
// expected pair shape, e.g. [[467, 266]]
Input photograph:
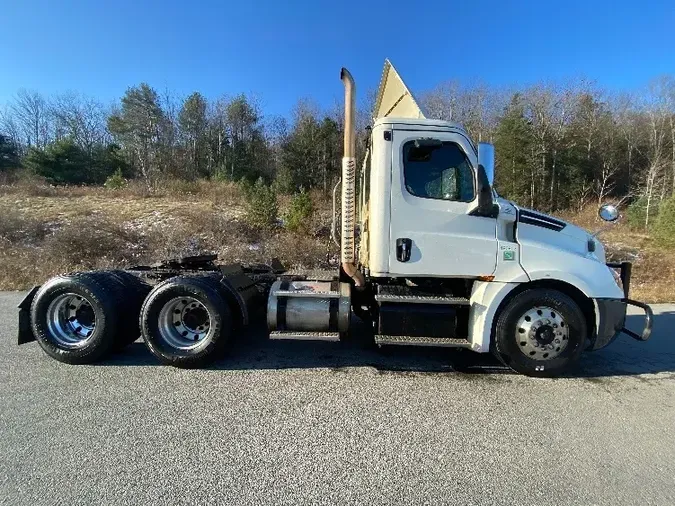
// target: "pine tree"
[[138, 127], [513, 147], [193, 125], [9, 156]]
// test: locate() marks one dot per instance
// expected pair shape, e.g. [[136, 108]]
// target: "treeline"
[[75, 139], [565, 146], [557, 146]]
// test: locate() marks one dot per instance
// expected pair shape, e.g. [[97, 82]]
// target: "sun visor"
[[394, 98]]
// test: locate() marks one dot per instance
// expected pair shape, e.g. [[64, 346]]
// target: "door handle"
[[403, 249]]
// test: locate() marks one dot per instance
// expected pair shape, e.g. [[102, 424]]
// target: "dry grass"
[[45, 230], [26, 185]]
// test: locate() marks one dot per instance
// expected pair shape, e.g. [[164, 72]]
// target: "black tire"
[[103, 296], [507, 345], [206, 291]]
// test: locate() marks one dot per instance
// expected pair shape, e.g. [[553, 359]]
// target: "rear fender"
[[243, 295]]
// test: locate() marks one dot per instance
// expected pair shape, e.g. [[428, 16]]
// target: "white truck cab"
[[448, 258]]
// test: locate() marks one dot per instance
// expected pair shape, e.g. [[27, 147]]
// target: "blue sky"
[[283, 50]]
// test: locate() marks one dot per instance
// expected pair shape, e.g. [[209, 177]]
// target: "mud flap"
[[25, 331]]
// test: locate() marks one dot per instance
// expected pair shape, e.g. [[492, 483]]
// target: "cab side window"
[[437, 170]]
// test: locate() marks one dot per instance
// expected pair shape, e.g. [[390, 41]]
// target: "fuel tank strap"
[[333, 307], [281, 307]]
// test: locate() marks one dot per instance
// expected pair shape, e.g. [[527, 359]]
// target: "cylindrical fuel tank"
[[321, 306]]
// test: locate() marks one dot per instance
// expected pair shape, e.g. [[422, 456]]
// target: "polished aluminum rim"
[[71, 320], [184, 323], [542, 333]]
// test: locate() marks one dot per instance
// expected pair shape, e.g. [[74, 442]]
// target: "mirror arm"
[[486, 206]]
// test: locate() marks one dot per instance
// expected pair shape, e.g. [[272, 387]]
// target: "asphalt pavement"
[[281, 422]]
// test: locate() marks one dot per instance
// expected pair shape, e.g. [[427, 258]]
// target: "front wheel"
[[540, 332]]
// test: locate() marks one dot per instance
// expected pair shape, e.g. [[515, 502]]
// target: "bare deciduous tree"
[[30, 111]]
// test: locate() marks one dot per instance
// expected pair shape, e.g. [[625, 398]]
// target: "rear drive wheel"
[[186, 322], [540, 332], [74, 317]]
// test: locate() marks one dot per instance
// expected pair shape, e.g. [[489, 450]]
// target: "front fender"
[[596, 282], [544, 261]]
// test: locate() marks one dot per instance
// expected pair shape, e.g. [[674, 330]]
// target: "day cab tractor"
[[439, 260]]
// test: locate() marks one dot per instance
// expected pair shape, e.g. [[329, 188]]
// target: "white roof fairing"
[[394, 98]]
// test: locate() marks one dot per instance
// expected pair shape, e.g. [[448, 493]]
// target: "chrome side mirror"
[[486, 158], [608, 212]]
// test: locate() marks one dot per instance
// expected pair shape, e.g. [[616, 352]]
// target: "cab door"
[[433, 192]]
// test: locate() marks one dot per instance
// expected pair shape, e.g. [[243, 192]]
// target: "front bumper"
[[612, 313]]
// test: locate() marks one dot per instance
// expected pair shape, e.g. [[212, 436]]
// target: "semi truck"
[[430, 255]]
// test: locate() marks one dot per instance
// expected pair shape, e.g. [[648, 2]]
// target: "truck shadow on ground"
[[255, 351]]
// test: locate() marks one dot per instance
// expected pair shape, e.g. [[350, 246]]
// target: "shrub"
[[284, 181], [220, 192], [115, 181], [261, 205], [299, 212], [93, 241], [246, 187], [221, 174], [664, 225], [64, 162], [178, 187], [26, 183], [636, 213], [20, 227], [9, 154]]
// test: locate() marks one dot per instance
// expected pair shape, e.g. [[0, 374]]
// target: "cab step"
[[444, 342], [305, 336], [422, 299]]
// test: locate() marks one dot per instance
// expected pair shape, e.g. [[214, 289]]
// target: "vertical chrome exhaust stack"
[[347, 243]]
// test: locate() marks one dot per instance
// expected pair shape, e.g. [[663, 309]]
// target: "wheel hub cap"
[[184, 323], [542, 333], [71, 320]]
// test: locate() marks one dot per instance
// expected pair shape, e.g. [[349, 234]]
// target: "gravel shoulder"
[[323, 423]]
